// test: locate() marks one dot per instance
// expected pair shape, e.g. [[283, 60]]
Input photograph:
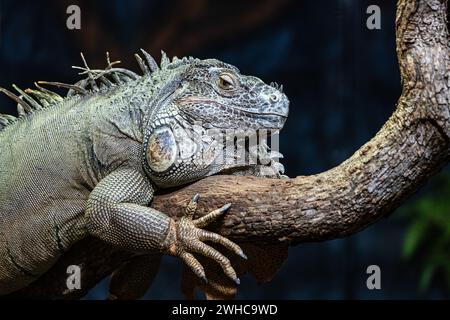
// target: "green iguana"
[[89, 163]]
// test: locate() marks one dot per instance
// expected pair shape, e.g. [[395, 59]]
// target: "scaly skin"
[[89, 163]]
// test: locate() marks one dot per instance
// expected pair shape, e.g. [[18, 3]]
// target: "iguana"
[[89, 163]]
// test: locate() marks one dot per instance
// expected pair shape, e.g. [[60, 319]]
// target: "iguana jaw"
[[255, 118], [244, 112]]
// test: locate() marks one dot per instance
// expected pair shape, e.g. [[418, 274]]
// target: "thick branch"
[[410, 147]]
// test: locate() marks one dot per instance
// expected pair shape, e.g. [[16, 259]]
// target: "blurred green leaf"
[[428, 232], [447, 274], [414, 235], [426, 277]]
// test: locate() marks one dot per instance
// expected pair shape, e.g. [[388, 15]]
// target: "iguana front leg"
[[117, 213]]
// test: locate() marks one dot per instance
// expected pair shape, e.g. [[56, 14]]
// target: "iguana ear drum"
[[161, 149]]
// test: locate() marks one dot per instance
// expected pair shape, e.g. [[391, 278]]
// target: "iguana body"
[[89, 164]]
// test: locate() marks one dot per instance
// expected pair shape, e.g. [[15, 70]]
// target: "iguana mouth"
[[189, 100]]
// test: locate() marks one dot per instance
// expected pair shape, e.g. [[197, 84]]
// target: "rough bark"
[[411, 146]]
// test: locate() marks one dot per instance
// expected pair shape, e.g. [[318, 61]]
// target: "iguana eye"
[[226, 81]]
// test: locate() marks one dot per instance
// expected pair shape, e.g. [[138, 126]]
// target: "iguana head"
[[219, 96], [199, 102]]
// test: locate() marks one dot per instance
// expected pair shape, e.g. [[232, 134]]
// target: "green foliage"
[[428, 236]]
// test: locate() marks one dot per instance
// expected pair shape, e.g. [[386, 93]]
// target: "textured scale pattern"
[[89, 164]]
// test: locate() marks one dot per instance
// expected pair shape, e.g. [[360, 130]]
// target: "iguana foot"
[[271, 168], [188, 236]]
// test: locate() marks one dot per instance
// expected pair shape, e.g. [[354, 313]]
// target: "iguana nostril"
[[273, 97]]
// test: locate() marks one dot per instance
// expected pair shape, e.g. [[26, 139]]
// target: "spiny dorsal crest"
[[96, 80]]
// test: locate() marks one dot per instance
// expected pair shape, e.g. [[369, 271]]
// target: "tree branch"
[[411, 146]]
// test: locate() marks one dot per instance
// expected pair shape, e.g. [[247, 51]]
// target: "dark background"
[[341, 78]]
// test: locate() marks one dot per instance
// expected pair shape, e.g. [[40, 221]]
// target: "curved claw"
[[190, 237], [210, 217], [194, 265], [192, 206], [215, 255], [278, 167], [276, 154], [196, 198]]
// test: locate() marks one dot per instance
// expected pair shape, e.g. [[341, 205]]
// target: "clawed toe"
[[190, 237]]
